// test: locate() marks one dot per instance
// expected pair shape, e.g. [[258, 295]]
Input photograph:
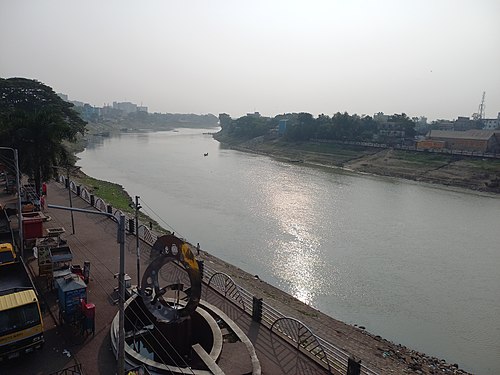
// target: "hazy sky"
[[421, 57]]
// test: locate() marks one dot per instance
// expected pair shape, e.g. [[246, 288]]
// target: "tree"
[[405, 124], [225, 121], [35, 121]]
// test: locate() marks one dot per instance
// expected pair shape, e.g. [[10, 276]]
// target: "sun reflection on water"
[[297, 251]]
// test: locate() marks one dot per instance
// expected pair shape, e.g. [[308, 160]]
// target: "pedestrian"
[[198, 248], [44, 188], [42, 202]]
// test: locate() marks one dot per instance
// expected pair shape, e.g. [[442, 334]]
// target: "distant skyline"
[[430, 58]]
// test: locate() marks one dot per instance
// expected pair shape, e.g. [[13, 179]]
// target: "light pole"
[[70, 201], [19, 206], [69, 193], [138, 252], [121, 279]]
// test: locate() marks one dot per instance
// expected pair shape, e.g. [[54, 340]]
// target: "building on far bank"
[[126, 107], [491, 123], [430, 144], [469, 140], [255, 114], [444, 125], [465, 123]]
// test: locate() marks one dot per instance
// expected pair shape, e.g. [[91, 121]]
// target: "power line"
[[160, 218]]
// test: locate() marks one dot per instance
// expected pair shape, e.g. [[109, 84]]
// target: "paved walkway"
[[94, 240]]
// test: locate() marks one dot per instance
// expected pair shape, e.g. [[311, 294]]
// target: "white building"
[[491, 123], [126, 107]]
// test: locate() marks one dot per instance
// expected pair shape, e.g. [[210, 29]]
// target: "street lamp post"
[[19, 205], [70, 201], [136, 206], [69, 194], [138, 252]]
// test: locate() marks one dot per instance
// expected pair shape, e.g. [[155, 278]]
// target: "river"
[[417, 264]]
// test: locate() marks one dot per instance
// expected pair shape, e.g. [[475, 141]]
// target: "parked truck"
[[21, 325]]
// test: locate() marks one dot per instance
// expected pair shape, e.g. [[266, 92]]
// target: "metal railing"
[[72, 370], [445, 151], [325, 353]]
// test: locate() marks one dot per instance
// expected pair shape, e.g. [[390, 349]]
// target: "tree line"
[[35, 121], [303, 127]]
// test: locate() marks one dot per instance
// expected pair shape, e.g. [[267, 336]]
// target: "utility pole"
[[138, 252], [70, 201], [67, 167], [121, 305]]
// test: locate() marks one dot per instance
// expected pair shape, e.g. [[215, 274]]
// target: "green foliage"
[[246, 127], [116, 196], [422, 158], [488, 165], [112, 193], [303, 127], [35, 120], [339, 127], [404, 123], [225, 121]]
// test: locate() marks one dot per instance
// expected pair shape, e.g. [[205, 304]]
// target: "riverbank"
[[375, 352], [196, 152], [449, 170]]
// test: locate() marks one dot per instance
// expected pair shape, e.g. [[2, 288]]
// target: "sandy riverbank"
[[456, 171]]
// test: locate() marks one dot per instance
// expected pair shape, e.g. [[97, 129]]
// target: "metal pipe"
[[80, 210]]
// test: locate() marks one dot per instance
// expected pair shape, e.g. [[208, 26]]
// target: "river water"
[[414, 263]]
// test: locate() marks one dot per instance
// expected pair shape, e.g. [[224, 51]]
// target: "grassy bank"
[[116, 196]]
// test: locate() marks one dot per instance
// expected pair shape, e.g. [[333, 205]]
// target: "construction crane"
[[480, 113]]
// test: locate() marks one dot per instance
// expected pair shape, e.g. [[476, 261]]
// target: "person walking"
[[42, 203]]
